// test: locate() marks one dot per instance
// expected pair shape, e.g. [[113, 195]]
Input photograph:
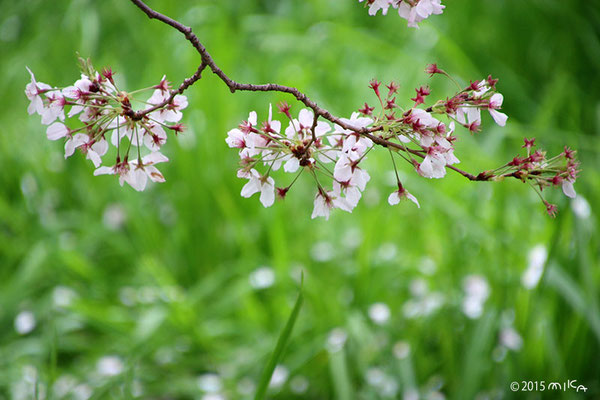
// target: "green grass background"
[[168, 292]]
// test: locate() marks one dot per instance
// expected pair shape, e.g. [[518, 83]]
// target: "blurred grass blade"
[[339, 374], [575, 296], [278, 352]]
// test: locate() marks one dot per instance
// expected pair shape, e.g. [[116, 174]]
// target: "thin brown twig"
[[235, 86], [138, 115]]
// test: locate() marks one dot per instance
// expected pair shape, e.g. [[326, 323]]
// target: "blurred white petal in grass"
[[127, 296], [511, 339], [336, 340], [472, 308], [246, 386], [427, 266], [581, 208], [29, 186], [352, 238], [418, 287], [401, 350], [410, 394], [164, 355], [109, 366], [386, 385], [499, 353], [386, 252], [64, 385], [389, 388], [297, 271], [423, 302], [114, 217], [148, 294], [25, 322], [82, 392], [214, 396], [137, 389], [537, 259], [210, 383], [299, 384], [322, 251], [63, 296], [435, 395], [379, 313], [26, 389], [477, 290], [279, 377], [262, 278], [375, 376]]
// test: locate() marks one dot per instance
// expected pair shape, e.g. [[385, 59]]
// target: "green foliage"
[[166, 289], [277, 355]]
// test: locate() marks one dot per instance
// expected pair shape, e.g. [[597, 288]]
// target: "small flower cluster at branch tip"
[[107, 117], [414, 11], [542, 172], [414, 135]]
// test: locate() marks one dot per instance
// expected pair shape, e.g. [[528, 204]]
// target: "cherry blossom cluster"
[[306, 144], [416, 135], [93, 114], [414, 11]]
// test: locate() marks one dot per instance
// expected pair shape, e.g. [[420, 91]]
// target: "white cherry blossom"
[[259, 183], [495, 104], [401, 194], [414, 11], [568, 189], [172, 111], [136, 174], [434, 163], [108, 114], [376, 5], [33, 91], [325, 201], [74, 142], [57, 130]]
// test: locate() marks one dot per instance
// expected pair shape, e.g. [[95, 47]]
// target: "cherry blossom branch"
[[138, 115], [236, 86], [415, 134], [464, 108]]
